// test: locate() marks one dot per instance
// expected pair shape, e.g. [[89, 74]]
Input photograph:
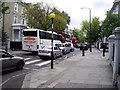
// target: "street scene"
[[59, 45], [32, 63]]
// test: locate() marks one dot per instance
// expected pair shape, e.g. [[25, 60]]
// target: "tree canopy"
[[38, 17], [95, 29], [79, 34], [3, 9], [109, 24]]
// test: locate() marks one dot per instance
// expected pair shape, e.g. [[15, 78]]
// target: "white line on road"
[[44, 63], [66, 57], [25, 68], [13, 77], [27, 59], [5, 82], [29, 62]]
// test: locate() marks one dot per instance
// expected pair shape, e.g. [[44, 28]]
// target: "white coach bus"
[[34, 39]]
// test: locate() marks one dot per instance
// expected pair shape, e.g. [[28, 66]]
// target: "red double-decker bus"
[[65, 37]]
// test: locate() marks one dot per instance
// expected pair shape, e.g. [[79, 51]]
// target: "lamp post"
[[52, 16], [90, 25]]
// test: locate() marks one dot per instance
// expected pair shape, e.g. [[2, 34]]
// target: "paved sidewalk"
[[89, 71]]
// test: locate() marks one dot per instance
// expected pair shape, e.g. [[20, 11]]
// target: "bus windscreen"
[[30, 33]]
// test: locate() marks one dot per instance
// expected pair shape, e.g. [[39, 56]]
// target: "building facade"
[[15, 21], [116, 7]]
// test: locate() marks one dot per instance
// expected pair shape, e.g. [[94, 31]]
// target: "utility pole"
[[90, 25]]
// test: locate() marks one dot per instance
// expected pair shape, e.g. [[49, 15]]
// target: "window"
[[30, 33], [16, 7], [23, 9], [43, 35], [23, 21], [40, 36], [15, 19], [115, 11], [48, 35], [59, 45], [55, 48], [59, 37], [4, 54], [55, 37]]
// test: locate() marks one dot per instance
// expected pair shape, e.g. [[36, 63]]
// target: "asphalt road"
[[14, 79]]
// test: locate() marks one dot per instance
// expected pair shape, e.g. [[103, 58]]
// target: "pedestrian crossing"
[[36, 62], [44, 63], [27, 59], [30, 62]]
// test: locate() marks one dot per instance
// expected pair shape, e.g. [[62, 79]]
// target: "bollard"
[[103, 49], [83, 51], [6, 49]]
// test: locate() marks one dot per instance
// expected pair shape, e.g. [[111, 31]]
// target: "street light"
[[52, 16], [90, 25]]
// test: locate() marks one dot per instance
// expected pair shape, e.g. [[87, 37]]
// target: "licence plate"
[[44, 52]]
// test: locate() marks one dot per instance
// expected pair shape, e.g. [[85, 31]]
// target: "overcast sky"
[[73, 8]]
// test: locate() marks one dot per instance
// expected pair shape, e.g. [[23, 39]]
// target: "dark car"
[[83, 46], [9, 61]]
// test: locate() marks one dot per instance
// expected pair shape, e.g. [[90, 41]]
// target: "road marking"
[[44, 63], [27, 59], [66, 57], [52, 85], [5, 82], [29, 62], [25, 68], [13, 77], [35, 69]]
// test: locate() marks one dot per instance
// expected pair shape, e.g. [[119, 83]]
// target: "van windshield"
[[59, 45]]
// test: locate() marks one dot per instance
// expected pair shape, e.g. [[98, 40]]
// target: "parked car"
[[46, 52], [77, 45], [10, 62], [63, 46], [71, 47], [83, 46]]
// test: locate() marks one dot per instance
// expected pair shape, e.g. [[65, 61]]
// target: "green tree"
[[38, 17], [3, 35], [3, 9], [79, 34], [95, 31], [61, 20], [109, 24]]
